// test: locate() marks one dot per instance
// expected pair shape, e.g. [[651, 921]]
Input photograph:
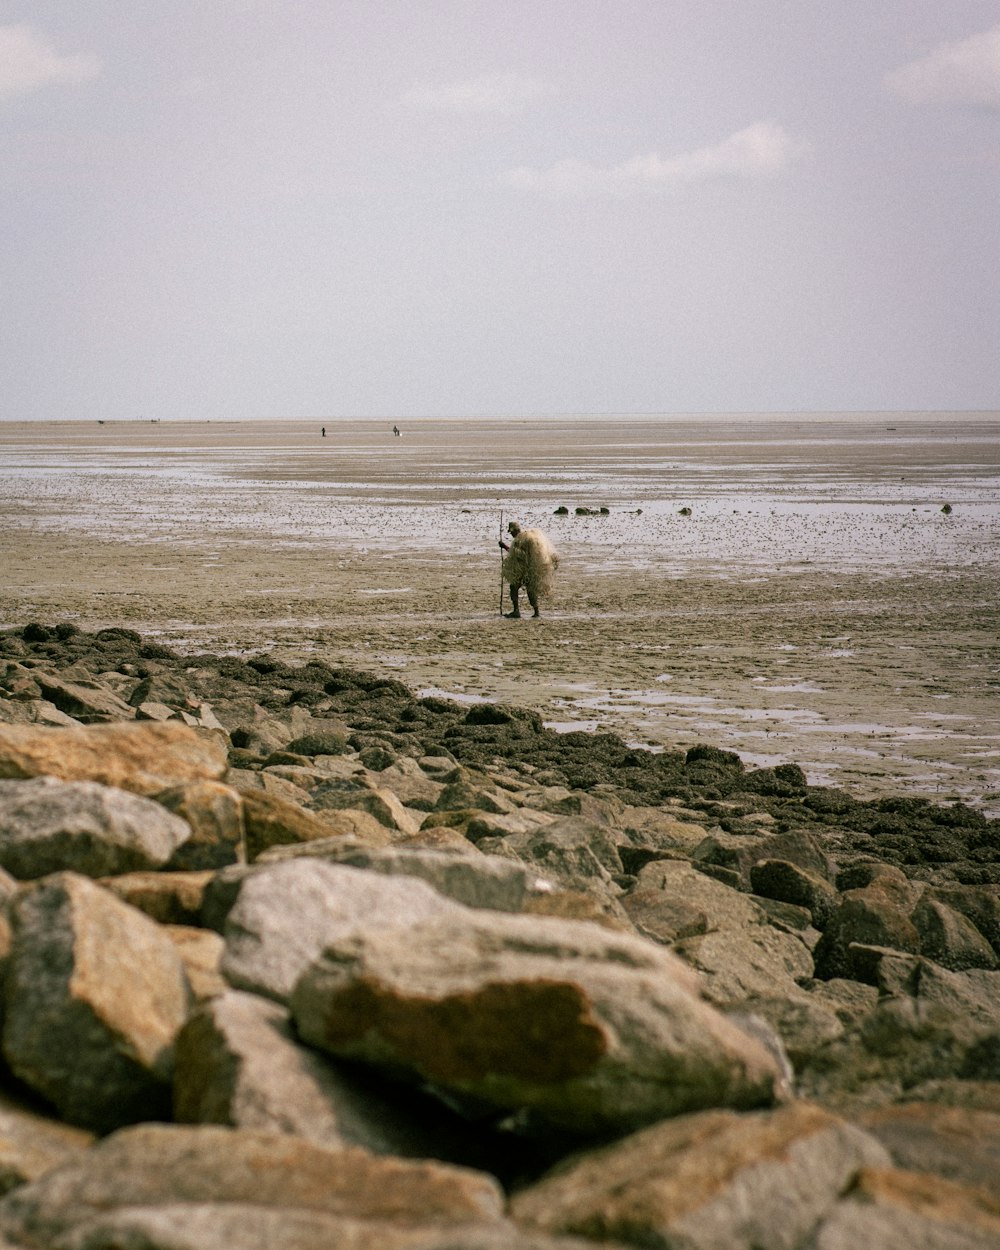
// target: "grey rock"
[[48, 825], [959, 1144], [286, 914], [465, 794], [357, 795], [482, 825], [932, 1027], [676, 881], [476, 880], [86, 701]]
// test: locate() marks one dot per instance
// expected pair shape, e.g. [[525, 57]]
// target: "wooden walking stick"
[[501, 561]]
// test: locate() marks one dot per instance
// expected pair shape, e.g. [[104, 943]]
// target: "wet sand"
[[816, 606]]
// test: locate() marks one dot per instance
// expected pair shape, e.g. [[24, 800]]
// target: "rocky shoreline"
[[293, 956]]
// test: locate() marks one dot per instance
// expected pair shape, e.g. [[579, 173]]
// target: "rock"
[[166, 688], [32, 1144], [271, 820], [947, 937], [894, 1210], [329, 741], [410, 784], [465, 793], [958, 1144], [561, 801], [294, 768], [356, 795], [723, 907], [35, 712], [929, 1023], [578, 905], [658, 829], [200, 952], [239, 1063], [48, 825], [978, 904], [874, 915], [479, 825], [476, 880], [571, 843], [154, 711], [247, 1226], [86, 701], [256, 780], [790, 883], [589, 1030], [744, 964], [664, 917], [95, 995], [145, 758], [707, 1181], [743, 851], [179, 1166], [214, 813], [166, 897], [286, 914]]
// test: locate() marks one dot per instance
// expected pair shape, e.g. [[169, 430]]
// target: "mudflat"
[[816, 590]]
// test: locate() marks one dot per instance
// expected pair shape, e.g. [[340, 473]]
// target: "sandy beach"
[[817, 605]]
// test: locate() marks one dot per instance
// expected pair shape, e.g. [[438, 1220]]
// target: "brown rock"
[[166, 897], [95, 994], [705, 1181], [893, 1210], [145, 758], [355, 795], [589, 1029], [950, 939], [875, 915], [215, 814], [32, 1144], [248, 1226], [200, 952], [271, 820], [239, 1063], [664, 917], [173, 1165]]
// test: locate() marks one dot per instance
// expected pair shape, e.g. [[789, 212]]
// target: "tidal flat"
[[810, 589]]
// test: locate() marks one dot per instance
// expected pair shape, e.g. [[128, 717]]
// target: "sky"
[[276, 209]]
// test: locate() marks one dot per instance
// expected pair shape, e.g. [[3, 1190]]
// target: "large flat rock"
[[587, 1029]]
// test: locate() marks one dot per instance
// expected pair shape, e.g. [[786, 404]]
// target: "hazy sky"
[[318, 208]]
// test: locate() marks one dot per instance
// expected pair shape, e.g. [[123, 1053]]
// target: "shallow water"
[[762, 493]]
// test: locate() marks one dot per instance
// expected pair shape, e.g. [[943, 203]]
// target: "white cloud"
[[965, 71], [490, 93], [760, 149], [28, 62]]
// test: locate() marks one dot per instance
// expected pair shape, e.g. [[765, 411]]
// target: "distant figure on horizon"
[[531, 562], [395, 430], [323, 431]]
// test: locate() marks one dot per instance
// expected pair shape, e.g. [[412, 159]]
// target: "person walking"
[[530, 562]]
